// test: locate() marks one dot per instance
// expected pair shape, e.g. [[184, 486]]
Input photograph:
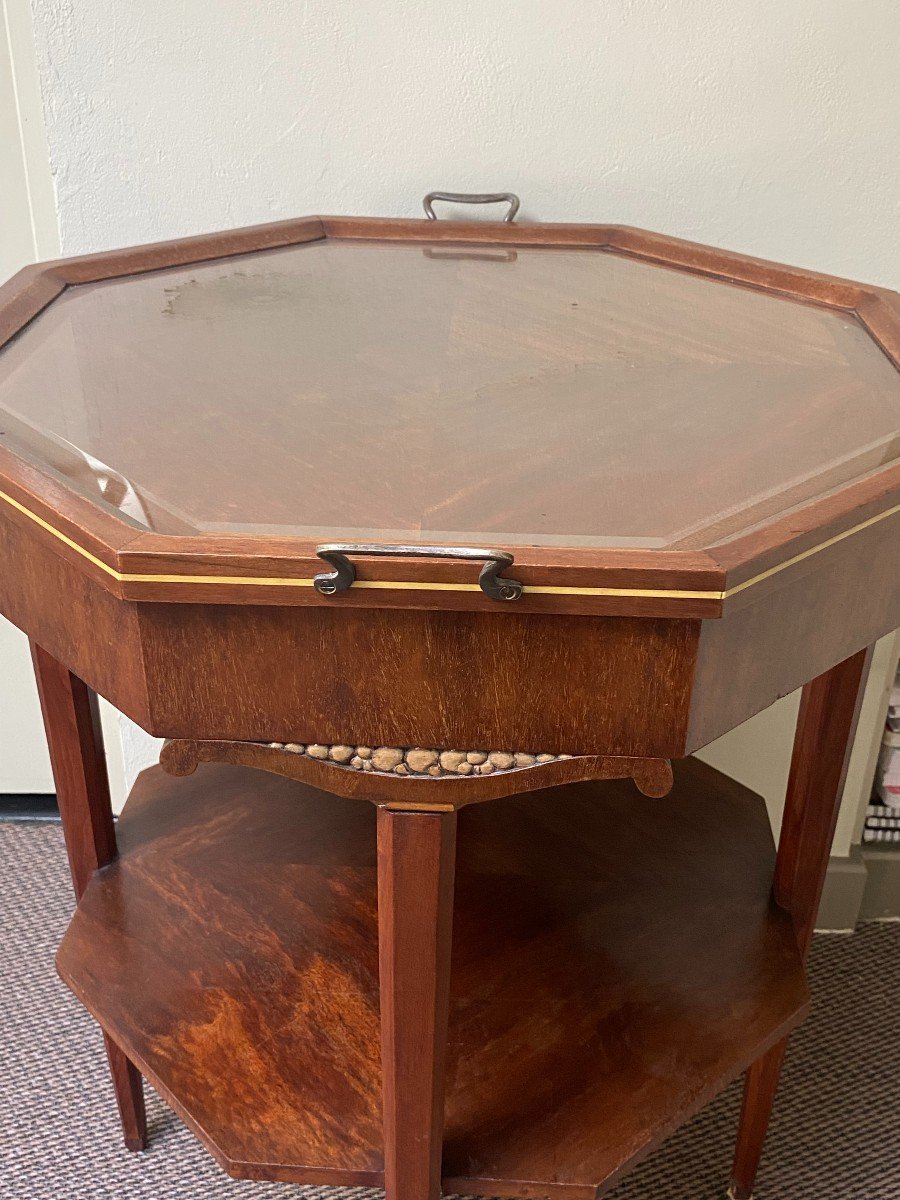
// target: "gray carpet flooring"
[[834, 1134]]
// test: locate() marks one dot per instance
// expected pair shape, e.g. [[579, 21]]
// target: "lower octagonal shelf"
[[616, 962]]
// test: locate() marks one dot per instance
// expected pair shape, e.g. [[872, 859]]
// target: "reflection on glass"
[[367, 391]]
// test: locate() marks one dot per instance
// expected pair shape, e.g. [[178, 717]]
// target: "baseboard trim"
[[842, 896], [881, 900], [28, 807], [862, 887]]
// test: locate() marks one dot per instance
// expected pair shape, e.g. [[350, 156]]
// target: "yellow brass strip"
[[67, 541], [790, 562], [255, 580], [538, 590], [403, 586], [411, 806]]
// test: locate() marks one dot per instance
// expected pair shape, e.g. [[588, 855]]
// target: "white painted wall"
[[760, 125], [24, 763], [766, 127], [28, 231]]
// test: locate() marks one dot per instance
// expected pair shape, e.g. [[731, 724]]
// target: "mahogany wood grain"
[[728, 265], [826, 725], [75, 741], [757, 318], [829, 290], [793, 628], [148, 563], [757, 1101], [23, 296], [589, 337], [880, 313], [276, 672], [74, 618], [652, 776], [411, 678], [233, 950], [176, 252], [680, 583], [464, 233], [72, 517], [416, 862], [831, 518], [235, 554], [706, 445]]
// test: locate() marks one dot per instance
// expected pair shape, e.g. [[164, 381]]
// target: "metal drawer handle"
[[344, 573], [509, 198]]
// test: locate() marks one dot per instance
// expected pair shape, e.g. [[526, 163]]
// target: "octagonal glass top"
[[416, 393]]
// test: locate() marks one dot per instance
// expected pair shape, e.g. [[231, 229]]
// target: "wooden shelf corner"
[[616, 962]]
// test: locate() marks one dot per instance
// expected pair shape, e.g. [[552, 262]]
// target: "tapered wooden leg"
[[416, 854], [829, 710], [72, 723], [129, 1089], [760, 1086]]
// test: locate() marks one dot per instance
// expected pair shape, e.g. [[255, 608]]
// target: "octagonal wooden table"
[[428, 545]]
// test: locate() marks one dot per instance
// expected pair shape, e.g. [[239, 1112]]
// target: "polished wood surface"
[[72, 720], [626, 686], [742, 373], [365, 391], [695, 457], [390, 677], [826, 725], [233, 950], [760, 1088], [793, 628], [416, 868]]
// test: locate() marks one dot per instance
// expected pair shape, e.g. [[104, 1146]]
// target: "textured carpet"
[[834, 1133]]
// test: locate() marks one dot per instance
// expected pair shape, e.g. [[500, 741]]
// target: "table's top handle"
[[509, 198], [344, 574]]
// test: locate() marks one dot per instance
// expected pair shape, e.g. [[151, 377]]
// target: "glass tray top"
[[434, 393]]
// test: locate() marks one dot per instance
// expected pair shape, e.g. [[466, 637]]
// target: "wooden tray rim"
[[141, 565]]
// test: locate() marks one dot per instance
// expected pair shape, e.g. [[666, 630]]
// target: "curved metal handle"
[[509, 198], [344, 574]]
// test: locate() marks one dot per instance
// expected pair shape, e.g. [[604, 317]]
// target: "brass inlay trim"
[[67, 541], [789, 562], [407, 586], [412, 806]]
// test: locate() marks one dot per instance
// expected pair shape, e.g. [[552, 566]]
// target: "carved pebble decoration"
[[501, 761], [418, 760], [384, 759]]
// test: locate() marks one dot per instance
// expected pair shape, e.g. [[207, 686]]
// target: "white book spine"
[[881, 835]]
